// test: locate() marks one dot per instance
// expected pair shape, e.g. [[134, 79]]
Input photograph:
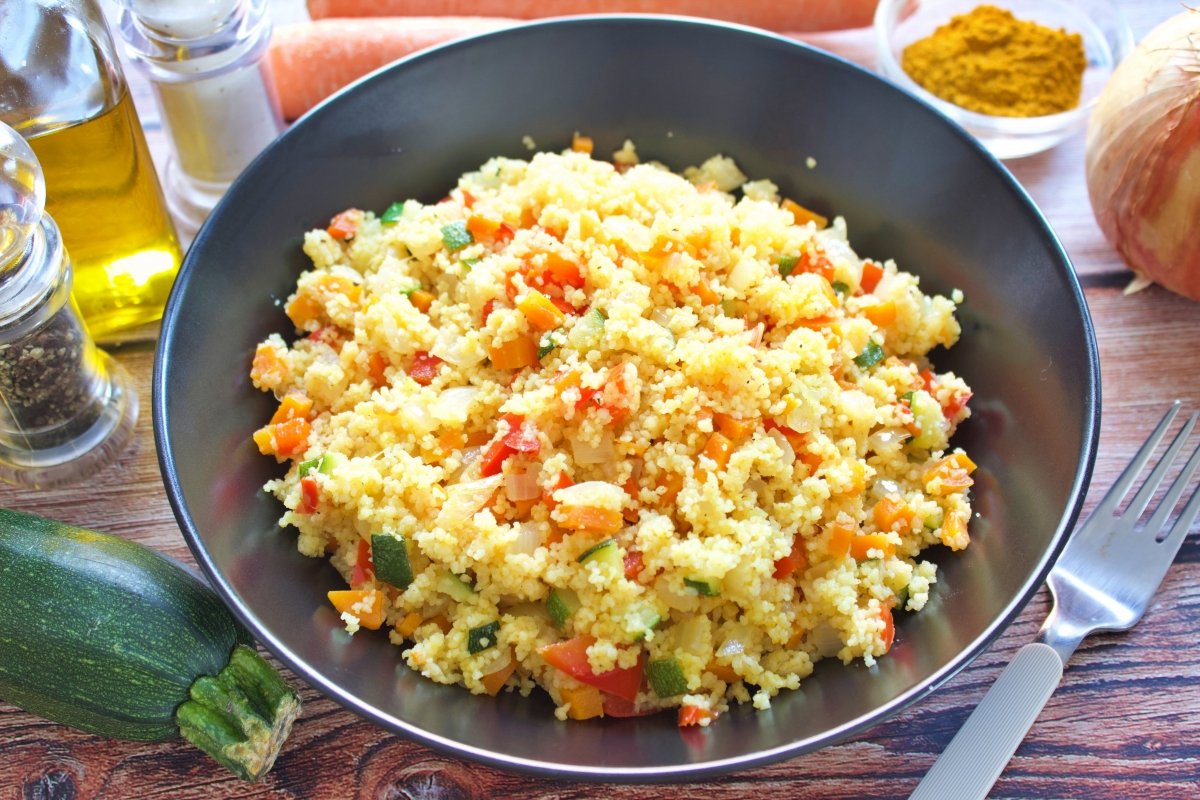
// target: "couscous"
[[644, 440]]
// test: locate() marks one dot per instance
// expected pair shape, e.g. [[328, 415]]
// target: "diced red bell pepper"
[[889, 628], [561, 482], [522, 437], [364, 567], [344, 225], [488, 308], [310, 495], [424, 368], [955, 405], [871, 273], [570, 656], [634, 564], [693, 715], [797, 559], [621, 708]]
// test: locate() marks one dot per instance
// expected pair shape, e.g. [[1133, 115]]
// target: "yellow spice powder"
[[991, 62]]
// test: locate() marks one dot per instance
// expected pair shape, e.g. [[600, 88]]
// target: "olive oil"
[[103, 192], [62, 89]]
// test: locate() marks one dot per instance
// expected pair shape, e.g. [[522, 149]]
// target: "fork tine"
[[1188, 515], [1142, 499], [1108, 504]]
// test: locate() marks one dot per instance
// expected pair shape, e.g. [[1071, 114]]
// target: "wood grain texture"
[[1121, 725]]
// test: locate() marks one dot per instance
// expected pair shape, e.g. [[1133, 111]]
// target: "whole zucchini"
[[108, 636]]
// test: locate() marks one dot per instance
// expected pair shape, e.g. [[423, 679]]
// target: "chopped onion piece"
[[453, 406], [588, 453], [529, 538], [457, 349], [789, 455], [463, 500], [500, 661], [522, 484], [731, 647]]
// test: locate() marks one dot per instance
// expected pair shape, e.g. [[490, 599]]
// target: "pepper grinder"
[[205, 60], [66, 408]]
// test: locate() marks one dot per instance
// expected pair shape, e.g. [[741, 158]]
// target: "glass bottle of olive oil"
[[62, 88]]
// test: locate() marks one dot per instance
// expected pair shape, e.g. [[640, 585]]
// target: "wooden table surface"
[[1122, 724]]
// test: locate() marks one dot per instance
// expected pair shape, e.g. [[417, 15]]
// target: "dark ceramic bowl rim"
[[686, 771]]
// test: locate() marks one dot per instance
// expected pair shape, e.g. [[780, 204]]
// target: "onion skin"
[[1143, 156]]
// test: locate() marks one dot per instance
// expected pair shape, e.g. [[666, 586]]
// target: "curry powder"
[[991, 62]]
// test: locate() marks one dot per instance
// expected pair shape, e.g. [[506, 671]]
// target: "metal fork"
[[1103, 581]]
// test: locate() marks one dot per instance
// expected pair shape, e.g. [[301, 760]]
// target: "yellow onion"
[[1143, 156]]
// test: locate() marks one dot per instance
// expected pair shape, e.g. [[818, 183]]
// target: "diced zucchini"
[[841, 287], [587, 333], [709, 587], [456, 587], [732, 307], [549, 342], [561, 604], [666, 677], [482, 637], [389, 553], [325, 464], [787, 264], [934, 520], [605, 552], [902, 599], [929, 418], [645, 618]]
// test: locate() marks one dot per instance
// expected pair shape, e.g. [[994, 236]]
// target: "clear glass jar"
[[61, 87], [66, 409]]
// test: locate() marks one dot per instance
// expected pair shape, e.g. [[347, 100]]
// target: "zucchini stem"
[[242, 716]]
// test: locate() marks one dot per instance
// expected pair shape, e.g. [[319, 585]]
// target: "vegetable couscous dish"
[[641, 439]]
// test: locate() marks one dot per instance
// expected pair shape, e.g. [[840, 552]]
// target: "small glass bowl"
[[1107, 39]]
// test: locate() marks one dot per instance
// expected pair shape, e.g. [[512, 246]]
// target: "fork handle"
[[983, 746]]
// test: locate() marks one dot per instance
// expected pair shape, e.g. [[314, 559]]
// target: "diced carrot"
[[303, 309], [672, 484], [422, 300], [561, 271], [889, 627], [265, 440], [882, 314], [560, 482], [794, 561], [723, 671], [719, 447], [407, 626], [585, 702], [816, 323], [369, 602], [953, 532], [483, 227], [949, 474], [293, 404], [863, 543], [442, 622], [451, 440], [893, 515], [493, 682], [582, 144], [514, 354], [708, 296], [377, 366], [523, 508], [345, 225], [542, 314], [871, 273], [813, 259], [268, 370], [591, 519], [736, 430], [291, 436], [802, 215], [841, 534], [693, 715]]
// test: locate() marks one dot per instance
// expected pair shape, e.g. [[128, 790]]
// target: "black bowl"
[[912, 186]]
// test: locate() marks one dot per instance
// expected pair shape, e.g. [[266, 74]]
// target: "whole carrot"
[[778, 15], [312, 60]]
